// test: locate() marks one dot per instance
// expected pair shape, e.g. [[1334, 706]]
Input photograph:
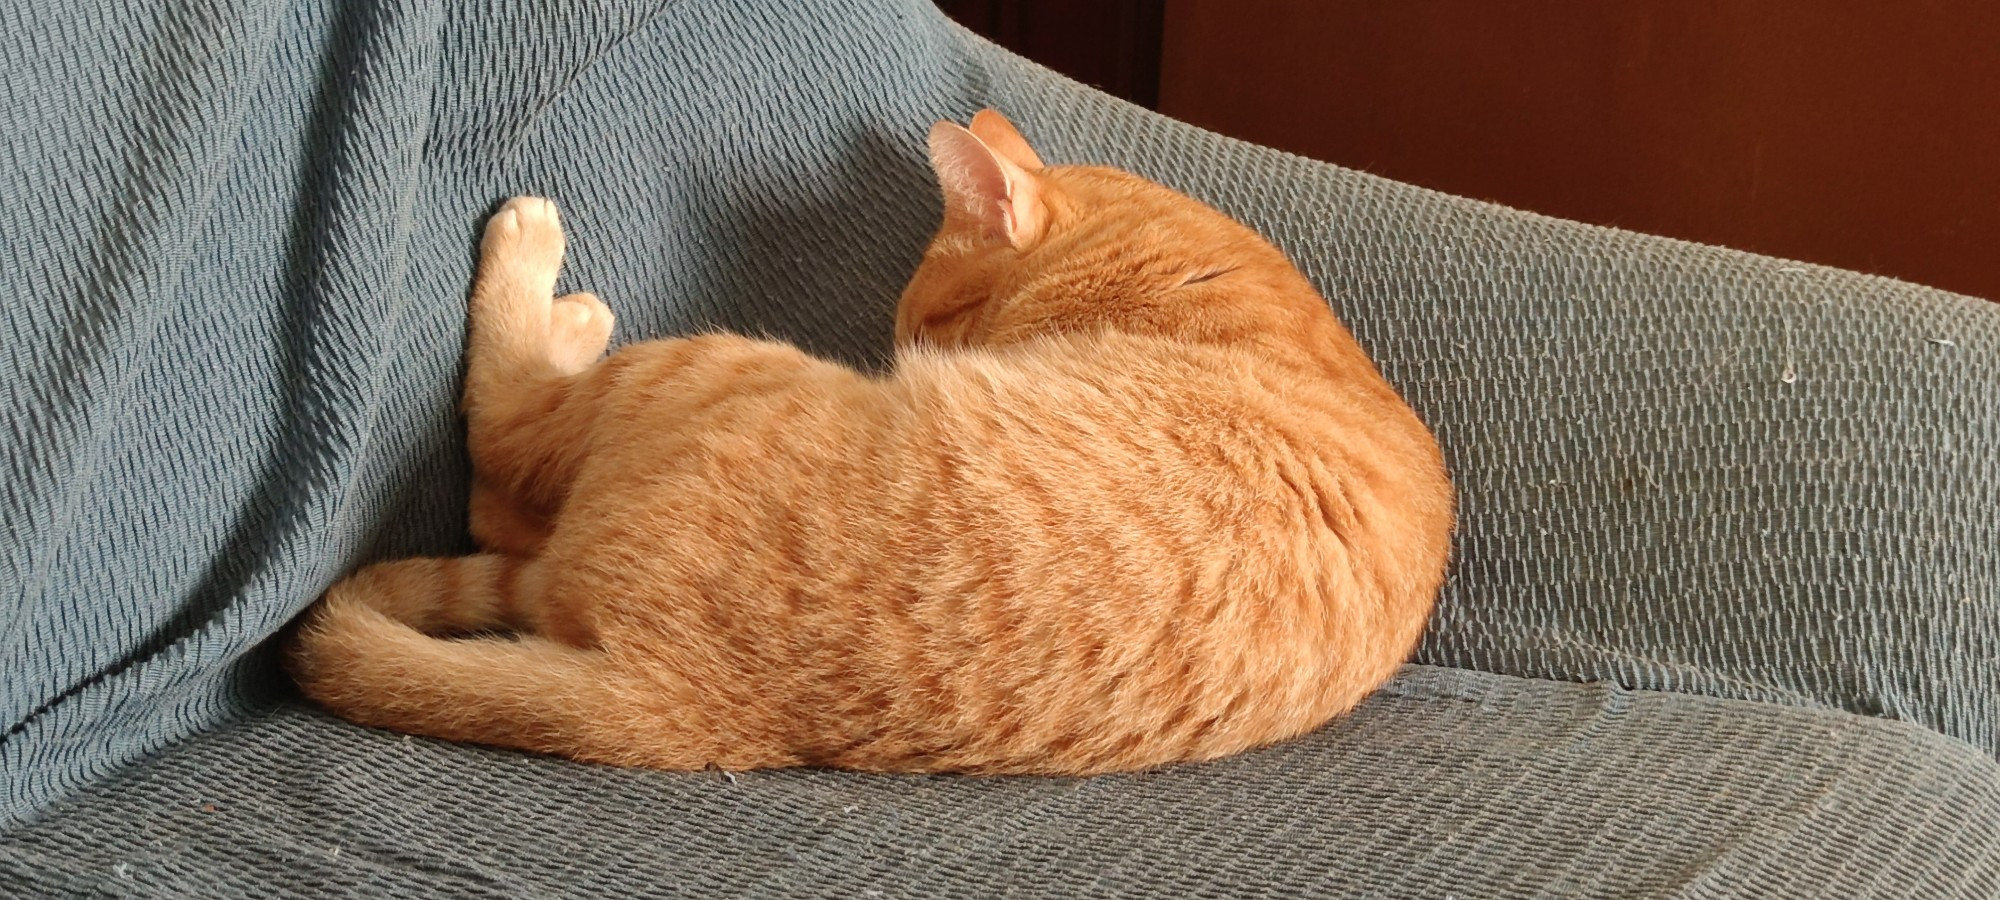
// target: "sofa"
[[1723, 618]]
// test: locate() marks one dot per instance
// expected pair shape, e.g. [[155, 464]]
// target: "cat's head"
[[1028, 249]]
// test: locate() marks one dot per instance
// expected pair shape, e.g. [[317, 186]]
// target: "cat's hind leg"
[[520, 330], [525, 402]]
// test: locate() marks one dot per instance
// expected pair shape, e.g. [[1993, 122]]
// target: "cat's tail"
[[450, 595], [361, 653], [529, 693]]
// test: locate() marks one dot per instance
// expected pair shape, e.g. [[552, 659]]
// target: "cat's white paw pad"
[[526, 232], [579, 331], [572, 316], [506, 223], [534, 212]]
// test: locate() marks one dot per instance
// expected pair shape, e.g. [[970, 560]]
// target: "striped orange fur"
[[1131, 495]]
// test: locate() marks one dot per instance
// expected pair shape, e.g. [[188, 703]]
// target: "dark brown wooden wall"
[[1112, 44], [1856, 133]]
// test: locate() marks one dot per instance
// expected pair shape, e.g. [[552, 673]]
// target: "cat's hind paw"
[[525, 238], [579, 332], [516, 316]]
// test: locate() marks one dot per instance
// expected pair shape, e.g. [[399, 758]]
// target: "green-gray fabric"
[[237, 237], [1448, 783]]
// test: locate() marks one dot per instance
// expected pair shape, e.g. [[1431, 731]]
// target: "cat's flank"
[[1131, 495]]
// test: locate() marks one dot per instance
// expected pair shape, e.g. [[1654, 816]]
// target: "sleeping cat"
[[1131, 495]]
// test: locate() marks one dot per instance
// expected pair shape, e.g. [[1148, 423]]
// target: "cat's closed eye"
[[1200, 275], [935, 324]]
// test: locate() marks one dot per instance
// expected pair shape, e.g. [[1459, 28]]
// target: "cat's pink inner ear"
[[993, 128], [1000, 198]]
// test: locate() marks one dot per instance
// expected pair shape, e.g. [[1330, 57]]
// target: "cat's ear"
[[998, 196], [994, 129]]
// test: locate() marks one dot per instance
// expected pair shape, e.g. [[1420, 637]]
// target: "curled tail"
[[447, 595], [363, 652], [529, 694]]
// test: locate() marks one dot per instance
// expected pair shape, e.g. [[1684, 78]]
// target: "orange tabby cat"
[[1131, 495]]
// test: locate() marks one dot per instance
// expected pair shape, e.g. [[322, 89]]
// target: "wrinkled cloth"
[[1752, 496]]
